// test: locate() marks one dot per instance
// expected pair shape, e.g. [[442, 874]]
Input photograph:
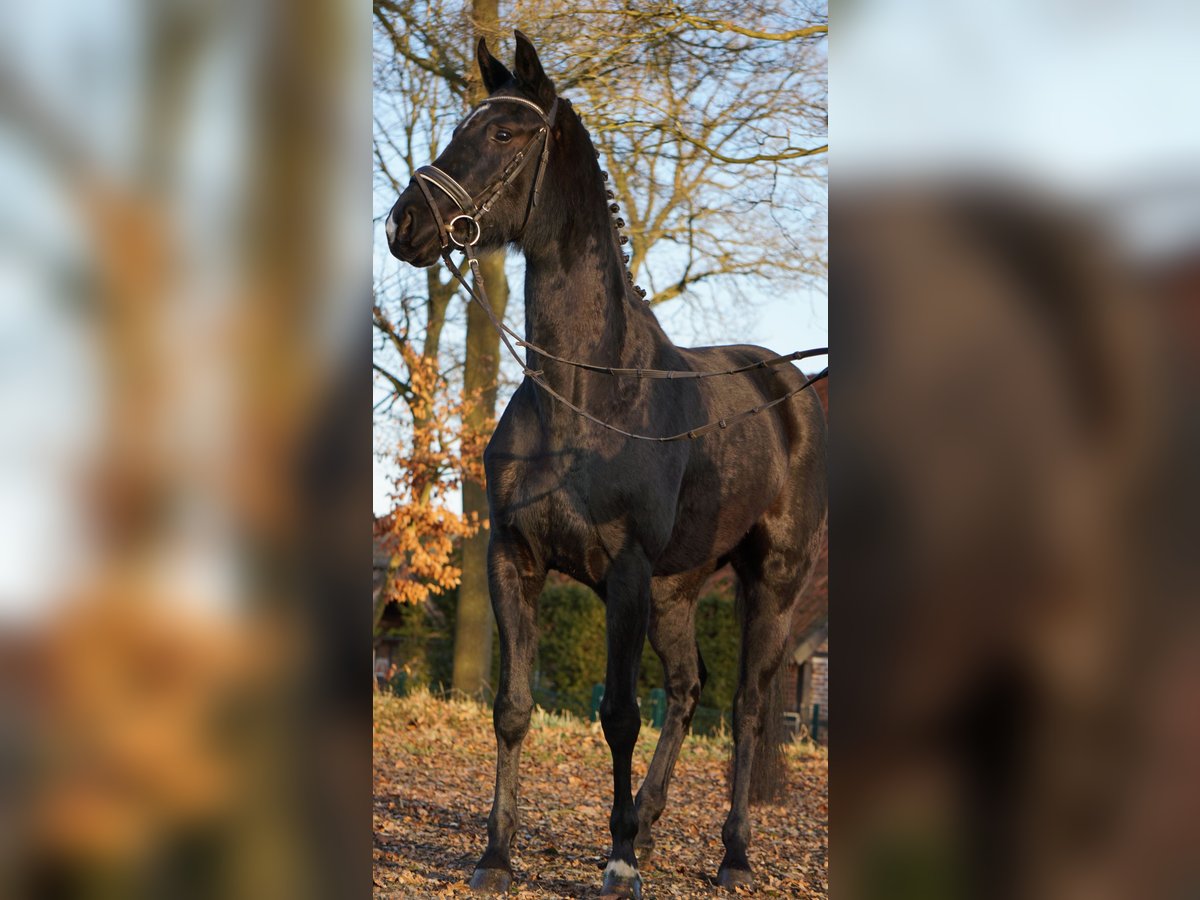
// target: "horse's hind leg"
[[673, 636], [514, 581], [771, 575]]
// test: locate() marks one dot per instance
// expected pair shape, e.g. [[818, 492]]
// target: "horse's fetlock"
[[509, 823], [623, 824], [735, 833]]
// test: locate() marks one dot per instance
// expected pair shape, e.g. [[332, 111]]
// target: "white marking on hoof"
[[620, 869]]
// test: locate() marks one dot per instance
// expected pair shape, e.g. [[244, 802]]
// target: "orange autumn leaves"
[[433, 456]]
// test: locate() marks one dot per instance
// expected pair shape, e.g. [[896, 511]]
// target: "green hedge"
[[571, 649], [570, 656]]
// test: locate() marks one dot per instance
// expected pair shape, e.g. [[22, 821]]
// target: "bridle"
[[473, 209]]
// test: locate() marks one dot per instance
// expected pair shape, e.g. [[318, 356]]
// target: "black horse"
[[642, 523]]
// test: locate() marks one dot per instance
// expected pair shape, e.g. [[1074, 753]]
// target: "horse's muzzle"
[[411, 233]]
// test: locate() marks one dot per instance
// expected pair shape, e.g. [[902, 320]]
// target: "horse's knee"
[[621, 722], [511, 717], [747, 709]]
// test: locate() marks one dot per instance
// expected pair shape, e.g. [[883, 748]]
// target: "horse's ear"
[[493, 71], [529, 72]]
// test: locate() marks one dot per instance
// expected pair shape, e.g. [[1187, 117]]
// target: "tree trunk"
[[473, 628], [440, 293]]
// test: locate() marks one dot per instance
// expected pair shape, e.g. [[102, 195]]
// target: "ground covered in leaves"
[[434, 763]]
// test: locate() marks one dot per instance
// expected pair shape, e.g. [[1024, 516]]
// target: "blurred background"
[[184, 277], [184, 289], [1015, 288]]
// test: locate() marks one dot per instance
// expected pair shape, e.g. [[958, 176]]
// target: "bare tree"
[[710, 116], [714, 133]]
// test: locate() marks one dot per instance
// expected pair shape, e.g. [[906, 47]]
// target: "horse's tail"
[[768, 776], [768, 772]]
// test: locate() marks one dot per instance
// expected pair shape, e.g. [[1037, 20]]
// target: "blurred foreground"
[[1015, 499], [1016, 510], [184, 267]]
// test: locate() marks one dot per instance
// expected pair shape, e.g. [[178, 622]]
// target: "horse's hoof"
[[621, 882], [735, 878], [491, 881]]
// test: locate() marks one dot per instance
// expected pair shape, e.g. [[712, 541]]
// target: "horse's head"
[[483, 188]]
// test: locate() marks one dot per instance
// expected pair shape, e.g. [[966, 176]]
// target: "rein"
[[472, 211], [537, 376]]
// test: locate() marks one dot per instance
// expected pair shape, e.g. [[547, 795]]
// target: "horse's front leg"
[[515, 579], [627, 596]]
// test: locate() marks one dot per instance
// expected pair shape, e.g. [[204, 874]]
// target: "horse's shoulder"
[[516, 441], [518, 413]]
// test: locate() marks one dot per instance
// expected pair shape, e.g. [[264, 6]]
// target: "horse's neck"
[[578, 312], [578, 303]]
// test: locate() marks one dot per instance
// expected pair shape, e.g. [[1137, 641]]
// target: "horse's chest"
[[551, 509]]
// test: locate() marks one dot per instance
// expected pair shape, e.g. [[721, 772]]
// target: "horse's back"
[[801, 417]]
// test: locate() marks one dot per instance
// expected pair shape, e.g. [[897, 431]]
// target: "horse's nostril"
[[399, 224]]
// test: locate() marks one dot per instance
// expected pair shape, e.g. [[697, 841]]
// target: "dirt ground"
[[434, 764]]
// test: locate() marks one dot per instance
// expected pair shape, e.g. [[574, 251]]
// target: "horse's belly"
[[717, 507], [703, 536], [692, 547]]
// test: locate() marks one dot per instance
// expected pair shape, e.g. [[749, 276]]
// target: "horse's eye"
[[502, 136]]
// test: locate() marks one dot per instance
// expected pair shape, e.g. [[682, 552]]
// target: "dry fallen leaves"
[[434, 762]]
